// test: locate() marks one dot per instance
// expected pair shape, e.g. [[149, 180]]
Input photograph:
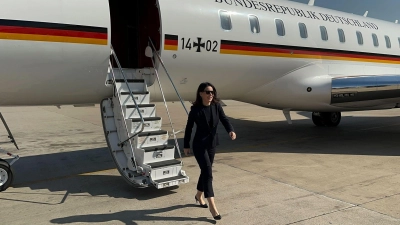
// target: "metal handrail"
[[130, 93], [166, 71], [166, 107], [126, 126], [12, 140], [121, 144]]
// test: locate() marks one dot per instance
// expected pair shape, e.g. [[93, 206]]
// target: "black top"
[[208, 114], [206, 119]]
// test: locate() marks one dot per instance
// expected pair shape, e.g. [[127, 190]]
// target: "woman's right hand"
[[186, 151]]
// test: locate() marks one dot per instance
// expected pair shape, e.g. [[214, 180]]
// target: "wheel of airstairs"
[[6, 175], [146, 159]]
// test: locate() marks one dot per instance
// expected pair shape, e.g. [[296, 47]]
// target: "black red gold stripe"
[[171, 42], [257, 49], [52, 32]]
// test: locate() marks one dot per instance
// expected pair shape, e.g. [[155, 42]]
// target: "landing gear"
[[329, 119], [6, 175]]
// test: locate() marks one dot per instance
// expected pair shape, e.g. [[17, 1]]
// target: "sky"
[[388, 10]]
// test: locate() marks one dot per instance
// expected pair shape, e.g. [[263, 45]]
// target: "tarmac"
[[274, 173]]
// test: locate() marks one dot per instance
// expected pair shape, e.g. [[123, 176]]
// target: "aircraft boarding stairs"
[[133, 132]]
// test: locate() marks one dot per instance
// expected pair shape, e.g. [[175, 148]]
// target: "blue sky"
[[380, 9]]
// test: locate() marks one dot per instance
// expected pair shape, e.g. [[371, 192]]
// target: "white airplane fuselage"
[[53, 52], [57, 52]]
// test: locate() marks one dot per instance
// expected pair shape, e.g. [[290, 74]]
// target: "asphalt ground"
[[274, 173]]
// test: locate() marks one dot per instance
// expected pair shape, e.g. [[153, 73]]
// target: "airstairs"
[[138, 145]]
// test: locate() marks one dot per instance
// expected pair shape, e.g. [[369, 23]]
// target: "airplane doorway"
[[132, 22]]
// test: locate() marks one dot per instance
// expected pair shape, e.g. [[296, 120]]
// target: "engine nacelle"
[[303, 89]]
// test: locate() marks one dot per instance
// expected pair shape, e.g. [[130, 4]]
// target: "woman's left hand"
[[232, 135]]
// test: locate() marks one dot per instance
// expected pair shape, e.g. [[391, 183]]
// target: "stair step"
[[135, 93], [135, 85], [150, 124], [171, 162], [151, 133], [171, 181], [157, 148], [159, 153], [151, 138], [140, 106], [147, 110], [141, 97], [129, 80], [146, 119]]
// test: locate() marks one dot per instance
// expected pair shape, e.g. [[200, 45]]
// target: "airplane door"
[[132, 23]]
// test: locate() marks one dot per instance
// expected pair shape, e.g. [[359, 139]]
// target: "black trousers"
[[205, 159]]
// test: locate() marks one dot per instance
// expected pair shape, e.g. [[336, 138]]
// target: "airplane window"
[[303, 30], [388, 43], [375, 39], [254, 24], [324, 33], [280, 27], [226, 22], [342, 38], [360, 38]]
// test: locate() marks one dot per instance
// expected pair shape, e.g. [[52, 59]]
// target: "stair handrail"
[[131, 95], [122, 112], [166, 71], [166, 107], [162, 93], [12, 140], [121, 144]]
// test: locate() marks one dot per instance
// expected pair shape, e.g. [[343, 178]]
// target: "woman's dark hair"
[[202, 86]]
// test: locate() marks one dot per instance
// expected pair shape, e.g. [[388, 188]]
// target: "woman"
[[206, 112]]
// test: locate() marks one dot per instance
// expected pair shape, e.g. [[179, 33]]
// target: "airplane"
[[276, 54]]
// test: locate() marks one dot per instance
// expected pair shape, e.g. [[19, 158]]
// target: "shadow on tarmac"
[[355, 136], [130, 216]]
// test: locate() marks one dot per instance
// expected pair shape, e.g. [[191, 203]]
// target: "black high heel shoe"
[[201, 205], [218, 217]]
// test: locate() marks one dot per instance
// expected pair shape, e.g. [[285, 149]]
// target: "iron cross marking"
[[199, 45]]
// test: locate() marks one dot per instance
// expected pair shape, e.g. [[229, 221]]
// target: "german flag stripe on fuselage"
[[171, 42], [257, 49], [52, 32]]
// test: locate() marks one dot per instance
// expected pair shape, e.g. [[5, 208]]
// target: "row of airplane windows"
[[226, 24]]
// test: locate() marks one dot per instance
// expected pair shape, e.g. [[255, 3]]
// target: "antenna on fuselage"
[[311, 2], [396, 21], [366, 14]]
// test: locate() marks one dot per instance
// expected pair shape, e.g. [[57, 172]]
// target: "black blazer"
[[206, 136]]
